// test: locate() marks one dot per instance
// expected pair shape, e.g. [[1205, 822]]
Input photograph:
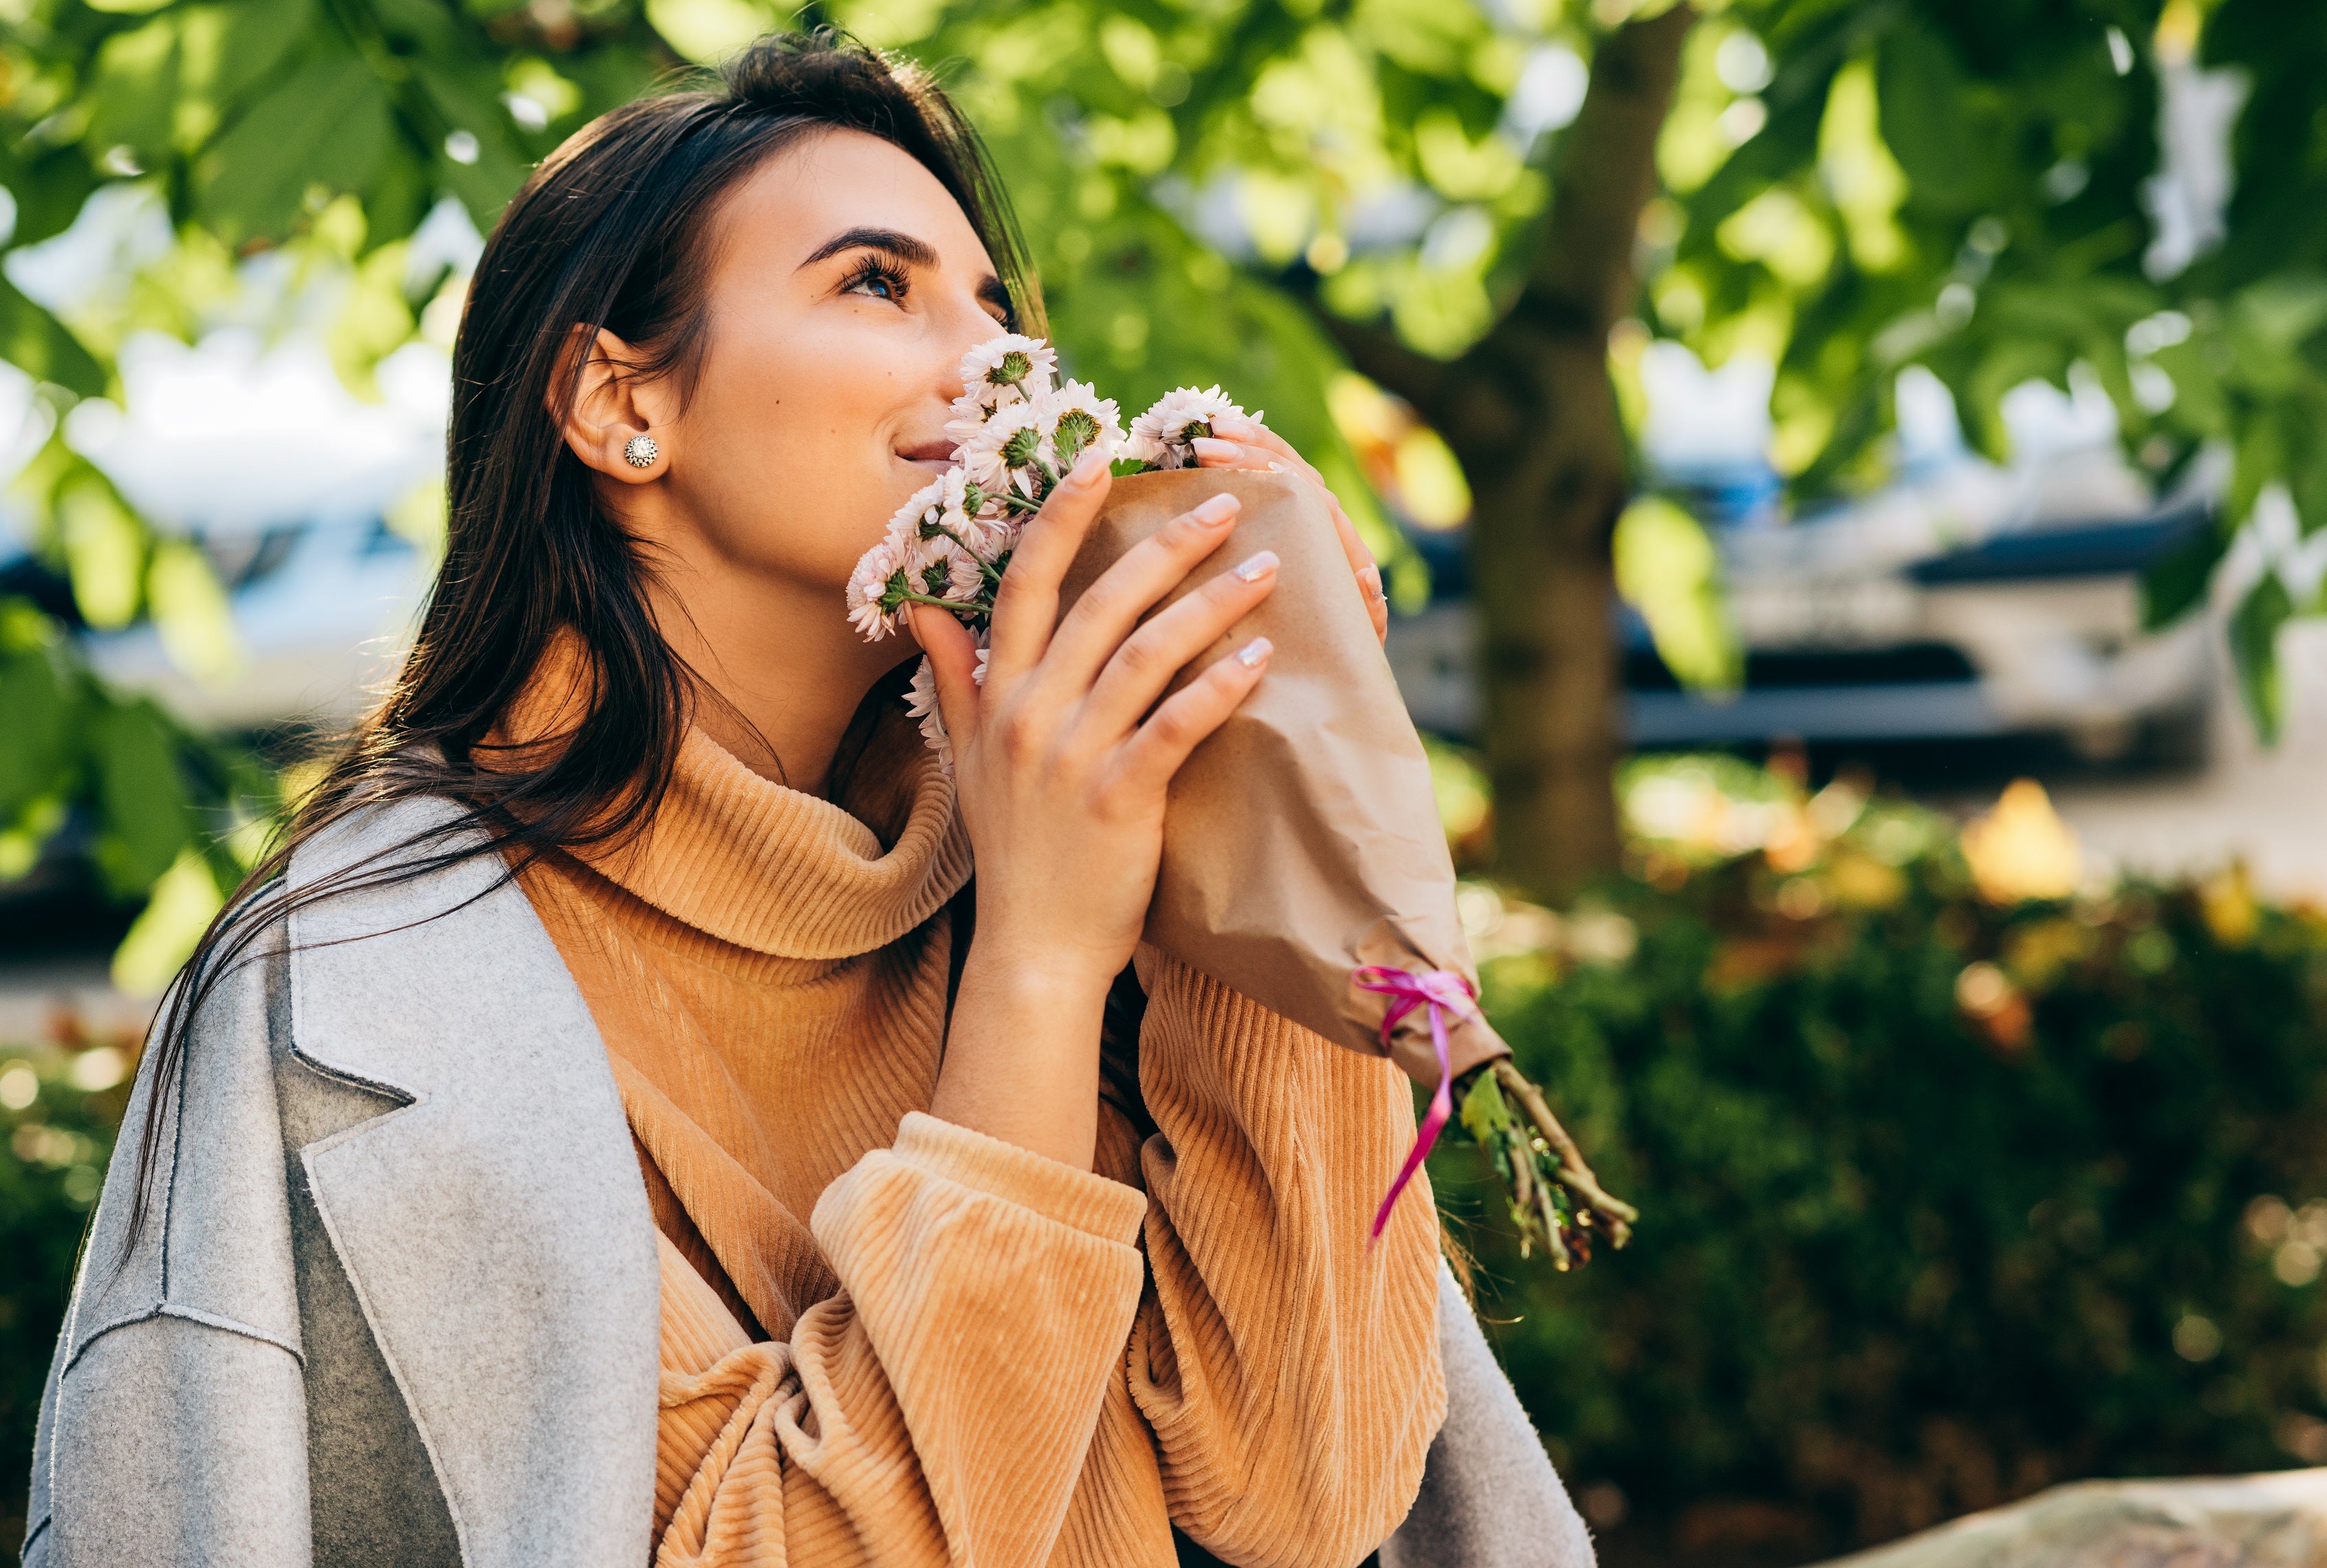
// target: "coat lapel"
[[495, 1229]]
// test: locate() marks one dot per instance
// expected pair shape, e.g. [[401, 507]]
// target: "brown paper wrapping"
[[1302, 840]]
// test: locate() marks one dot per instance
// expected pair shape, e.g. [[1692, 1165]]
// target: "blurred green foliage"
[[1849, 188], [161, 805], [59, 1105], [1971, 188], [1944, 1199]]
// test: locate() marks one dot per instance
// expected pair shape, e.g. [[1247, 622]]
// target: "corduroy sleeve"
[[1290, 1371], [938, 1409]]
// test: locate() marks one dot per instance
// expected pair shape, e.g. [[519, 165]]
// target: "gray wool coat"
[[398, 1301]]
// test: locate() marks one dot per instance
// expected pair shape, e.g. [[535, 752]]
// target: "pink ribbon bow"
[[1442, 991]]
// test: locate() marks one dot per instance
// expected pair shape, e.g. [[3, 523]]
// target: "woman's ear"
[[621, 424]]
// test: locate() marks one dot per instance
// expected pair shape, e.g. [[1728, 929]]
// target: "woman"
[[611, 1127]]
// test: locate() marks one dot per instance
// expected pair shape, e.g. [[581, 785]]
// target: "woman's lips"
[[937, 457]]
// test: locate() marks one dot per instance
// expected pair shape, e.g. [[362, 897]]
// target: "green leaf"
[[49, 184], [191, 613], [35, 715], [2284, 312], [165, 934], [258, 34], [40, 346], [2254, 649], [135, 96], [1920, 95], [707, 31], [469, 100], [142, 807], [328, 124], [1668, 569], [105, 551], [2176, 584]]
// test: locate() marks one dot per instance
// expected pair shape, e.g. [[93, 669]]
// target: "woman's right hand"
[[1062, 785]]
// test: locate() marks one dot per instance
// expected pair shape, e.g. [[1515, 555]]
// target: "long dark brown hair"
[[608, 233]]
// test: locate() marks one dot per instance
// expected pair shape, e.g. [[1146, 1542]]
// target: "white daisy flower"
[[1001, 454], [1010, 369], [1075, 418], [905, 522], [1162, 435], [950, 511]]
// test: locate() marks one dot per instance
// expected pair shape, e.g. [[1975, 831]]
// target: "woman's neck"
[[785, 671]]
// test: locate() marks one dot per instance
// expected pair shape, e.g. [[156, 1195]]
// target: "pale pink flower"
[[942, 569], [992, 532], [921, 703], [869, 585], [1163, 436]]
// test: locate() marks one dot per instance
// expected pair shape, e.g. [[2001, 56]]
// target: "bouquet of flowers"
[[1303, 862]]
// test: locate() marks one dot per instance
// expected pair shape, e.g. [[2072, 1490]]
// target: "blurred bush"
[[59, 1105], [1947, 1196]]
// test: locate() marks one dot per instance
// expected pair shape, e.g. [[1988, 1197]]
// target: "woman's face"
[[843, 286]]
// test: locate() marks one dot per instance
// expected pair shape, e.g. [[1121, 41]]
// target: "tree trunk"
[[1530, 413]]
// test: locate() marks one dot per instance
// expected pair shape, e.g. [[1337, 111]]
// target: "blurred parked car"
[[1936, 611]]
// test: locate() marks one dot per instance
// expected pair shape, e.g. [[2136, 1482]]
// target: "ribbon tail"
[[1441, 1106]]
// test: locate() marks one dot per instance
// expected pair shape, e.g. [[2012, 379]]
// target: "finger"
[[953, 660], [1212, 452], [1253, 432], [1026, 604], [1368, 570], [1192, 713], [1376, 598], [1104, 616], [1150, 657]]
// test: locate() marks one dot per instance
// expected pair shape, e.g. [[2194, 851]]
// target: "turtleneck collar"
[[774, 869]]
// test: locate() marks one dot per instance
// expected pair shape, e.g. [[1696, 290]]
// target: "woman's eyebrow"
[[913, 252]]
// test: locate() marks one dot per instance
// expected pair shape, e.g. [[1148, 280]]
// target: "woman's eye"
[[876, 282]]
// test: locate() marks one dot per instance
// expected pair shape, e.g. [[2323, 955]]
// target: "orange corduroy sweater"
[[889, 1339]]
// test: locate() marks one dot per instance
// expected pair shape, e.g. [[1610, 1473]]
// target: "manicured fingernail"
[[1216, 512], [1276, 468], [1258, 566], [1255, 654], [1207, 446], [1230, 425], [1089, 467]]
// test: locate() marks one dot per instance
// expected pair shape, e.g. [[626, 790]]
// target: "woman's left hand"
[[1248, 444]]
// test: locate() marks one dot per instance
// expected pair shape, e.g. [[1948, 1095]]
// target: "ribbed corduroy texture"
[[967, 1360]]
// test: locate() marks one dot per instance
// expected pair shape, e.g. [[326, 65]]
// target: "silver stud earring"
[[641, 452]]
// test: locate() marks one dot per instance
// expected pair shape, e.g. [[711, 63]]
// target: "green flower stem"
[[955, 605], [1554, 1198], [986, 568]]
